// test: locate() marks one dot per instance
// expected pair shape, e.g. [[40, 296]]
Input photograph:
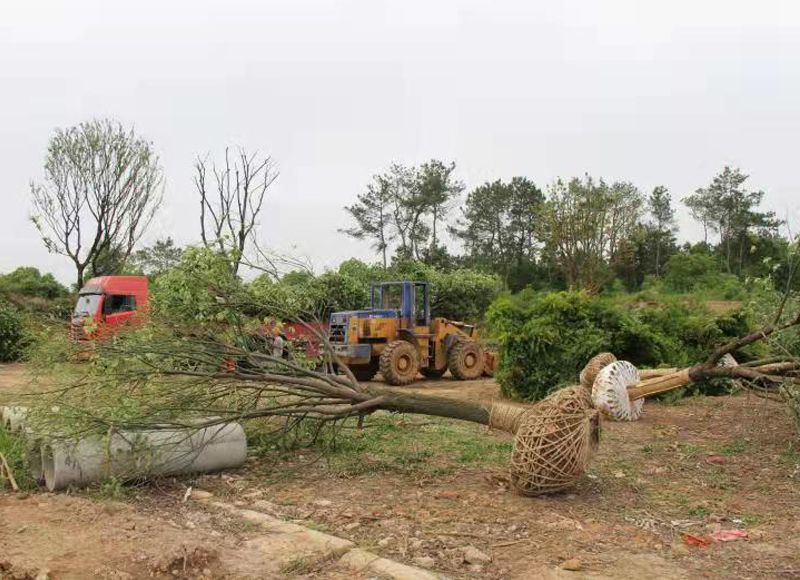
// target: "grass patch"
[[698, 511], [751, 520], [790, 457], [689, 448], [391, 443], [297, 566], [739, 445], [15, 449]]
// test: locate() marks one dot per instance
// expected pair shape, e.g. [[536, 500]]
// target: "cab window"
[[419, 305], [115, 303], [392, 297]]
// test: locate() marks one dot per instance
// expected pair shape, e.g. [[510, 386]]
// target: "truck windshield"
[[87, 305]]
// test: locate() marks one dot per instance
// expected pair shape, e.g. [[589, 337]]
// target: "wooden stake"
[[10, 473]]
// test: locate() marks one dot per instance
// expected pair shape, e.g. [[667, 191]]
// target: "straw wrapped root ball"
[[554, 442], [594, 366]]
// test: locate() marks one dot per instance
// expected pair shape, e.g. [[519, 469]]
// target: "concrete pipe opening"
[[35, 462]]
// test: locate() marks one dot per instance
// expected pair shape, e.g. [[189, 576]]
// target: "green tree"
[[101, 189], [659, 204], [405, 206], [732, 211], [372, 214], [499, 226], [702, 209], [586, 224], [438, 189], [157, 258]]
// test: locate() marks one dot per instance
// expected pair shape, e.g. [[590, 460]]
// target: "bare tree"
[[229, 207], [101, 189]]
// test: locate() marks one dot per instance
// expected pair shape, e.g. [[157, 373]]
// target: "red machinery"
[[107, 303]]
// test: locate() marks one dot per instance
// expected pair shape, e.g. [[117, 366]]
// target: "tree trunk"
[[400, 401], [658, 253], [80, 268], [433, 241]]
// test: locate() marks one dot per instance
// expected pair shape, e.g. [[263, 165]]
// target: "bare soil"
[[683, 470]]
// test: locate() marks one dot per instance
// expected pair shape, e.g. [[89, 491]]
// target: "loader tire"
[[399, 363], [465, 360], [364, 373], [433, 373]]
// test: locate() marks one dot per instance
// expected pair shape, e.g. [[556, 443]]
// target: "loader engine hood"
[[344, 317], [339, 331]]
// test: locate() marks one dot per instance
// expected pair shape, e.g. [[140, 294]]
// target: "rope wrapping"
[[554, 441]]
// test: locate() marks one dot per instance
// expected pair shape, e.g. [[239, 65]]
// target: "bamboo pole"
[[660, 384]]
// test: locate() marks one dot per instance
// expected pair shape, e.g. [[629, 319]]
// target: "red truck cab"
[[107, 303]]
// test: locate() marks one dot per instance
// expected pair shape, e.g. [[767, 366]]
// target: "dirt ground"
[[683, 471]]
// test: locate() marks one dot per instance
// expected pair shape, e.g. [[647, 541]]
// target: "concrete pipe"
[[134, 455], [14, 418], [35, 461]]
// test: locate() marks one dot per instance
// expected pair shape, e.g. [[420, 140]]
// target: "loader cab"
[[411, 301]]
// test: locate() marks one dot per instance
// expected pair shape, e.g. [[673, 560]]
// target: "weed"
[[698, 511], [297, 566], [689, 448], [648, 449], [736, 446], [113, 488], [751, 519], [15, 450], [790, 457], [718, 480], [248, 526]]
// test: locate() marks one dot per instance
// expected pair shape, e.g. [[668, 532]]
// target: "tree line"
[[103, 184], [582, 233]]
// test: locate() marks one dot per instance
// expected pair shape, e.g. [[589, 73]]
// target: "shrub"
[[699, 272], [463, 294], [30, 282], [191, 291], [547, 338], [13, 337]]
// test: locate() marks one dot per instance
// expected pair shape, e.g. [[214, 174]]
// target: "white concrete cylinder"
[[14, 418], [133, 455]]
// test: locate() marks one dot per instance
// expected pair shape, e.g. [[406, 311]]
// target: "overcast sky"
[[655, 93]]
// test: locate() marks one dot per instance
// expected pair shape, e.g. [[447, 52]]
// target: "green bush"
[[547, 338], [30, 282], [701, 272], [463, 294], [194, 290], [13, 336]]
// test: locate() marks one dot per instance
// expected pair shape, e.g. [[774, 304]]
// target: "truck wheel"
[[399, 363], [465, 360], [433, 373], [364, 373]]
